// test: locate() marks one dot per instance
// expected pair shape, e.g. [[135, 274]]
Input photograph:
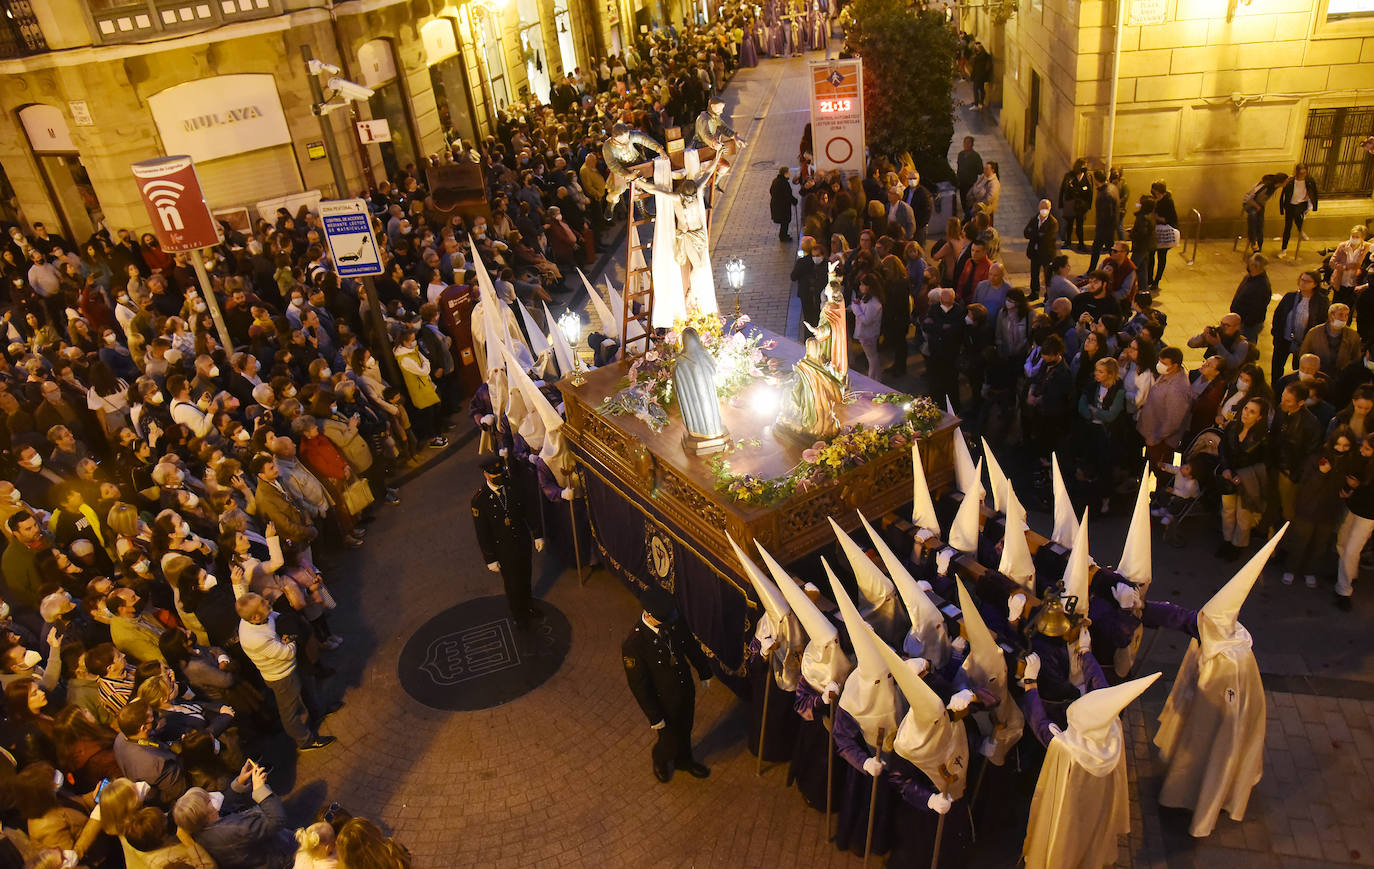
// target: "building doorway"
[[567, 47], [377, 65], [532, 49], [1032, 110], [1332, 150], [65, 176]]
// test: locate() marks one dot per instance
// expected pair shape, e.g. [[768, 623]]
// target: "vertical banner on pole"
[[837, 114], [171, 193]]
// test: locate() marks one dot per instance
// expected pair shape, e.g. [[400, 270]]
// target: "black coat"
[[780, 200], [811, 278], [922, 204], [1042, 239], [1251, 301], [1316, 315], [658, 668], [503, 528]]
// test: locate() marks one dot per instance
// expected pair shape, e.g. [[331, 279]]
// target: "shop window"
[[1333, 153], [1338, 9]]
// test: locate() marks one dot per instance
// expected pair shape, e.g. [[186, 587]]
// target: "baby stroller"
[[1202, 453]]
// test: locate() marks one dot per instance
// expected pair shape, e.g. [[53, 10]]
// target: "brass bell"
[[1053, 621]]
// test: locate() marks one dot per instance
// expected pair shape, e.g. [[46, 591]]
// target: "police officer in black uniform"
[[659, 655], [503, 533]]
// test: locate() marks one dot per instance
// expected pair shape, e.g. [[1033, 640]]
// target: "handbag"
[[1165, 236], [357, 496]]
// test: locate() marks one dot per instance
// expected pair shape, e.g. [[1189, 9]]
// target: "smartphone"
[[1178, 459], [100, 787]]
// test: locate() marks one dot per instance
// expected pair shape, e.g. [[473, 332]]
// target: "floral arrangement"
[[854, 446], [647, 391]]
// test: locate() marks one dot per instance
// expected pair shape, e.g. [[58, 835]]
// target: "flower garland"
[[647, 391], [821, 462]]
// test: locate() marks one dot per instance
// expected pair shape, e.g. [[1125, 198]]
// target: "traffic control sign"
[[352, 246]]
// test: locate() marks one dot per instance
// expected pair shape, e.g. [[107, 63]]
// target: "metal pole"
[[763, 724], [873, 799], [830, 771], [326, 129], [577, 549], [209, 292], [1116, 82]]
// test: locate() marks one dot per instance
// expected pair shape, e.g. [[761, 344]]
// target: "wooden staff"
[[763, 725], [873, 799], [940, 825], [572, 517], [830, 771]]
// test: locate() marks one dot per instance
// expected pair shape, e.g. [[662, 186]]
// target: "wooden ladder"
[[639, 277]]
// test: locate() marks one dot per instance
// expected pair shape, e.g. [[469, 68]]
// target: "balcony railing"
[[144, 19], [20, 34]]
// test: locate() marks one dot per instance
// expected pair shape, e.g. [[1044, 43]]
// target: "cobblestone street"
[[561, 776]]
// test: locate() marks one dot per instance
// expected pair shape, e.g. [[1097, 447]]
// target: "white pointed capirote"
[[778, 624], [1076, 567], [963, 534], [965, 474], [823, 662], [928, 637], [997, 481], [523, 407], [562, 351], [1135, 556], [1016, 563], [870, 694], [610, 326], [877, 591], [926, 737], [922, 506], [985, 663], [539, 344], [618, 303], [1095, 717], [1217, 620], [1065, 522]]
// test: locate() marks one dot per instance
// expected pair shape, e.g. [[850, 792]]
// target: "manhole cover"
[[472, 656]]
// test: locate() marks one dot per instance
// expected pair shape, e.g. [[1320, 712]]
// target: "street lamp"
[[571, 326], [734, 276]]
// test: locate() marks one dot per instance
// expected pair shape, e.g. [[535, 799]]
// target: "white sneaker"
[[1303, 235], [1310, 581], [1287, 578]]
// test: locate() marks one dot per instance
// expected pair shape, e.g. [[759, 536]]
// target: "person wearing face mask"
[[1164, 414], [945, 331], [868, 321], [1347, 263], [811, 273], [1243, 476], [133, 630], [1042, 245], [1334, 342], [504, 528]]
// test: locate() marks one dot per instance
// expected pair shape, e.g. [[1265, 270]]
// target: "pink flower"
[[769, 344], [818, 446], [811, 454], [651, 356]]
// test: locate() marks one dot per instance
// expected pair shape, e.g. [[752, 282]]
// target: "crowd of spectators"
[[172, 506]]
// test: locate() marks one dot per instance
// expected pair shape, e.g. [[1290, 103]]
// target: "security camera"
[[350, 90], [319, 66]]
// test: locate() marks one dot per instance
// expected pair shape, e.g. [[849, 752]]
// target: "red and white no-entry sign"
[[837, 114]]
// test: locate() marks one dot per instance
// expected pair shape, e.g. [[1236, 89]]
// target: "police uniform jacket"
[[658, 667], [502, 526]]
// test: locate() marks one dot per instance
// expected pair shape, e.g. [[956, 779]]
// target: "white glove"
[[924, 586], [488, 419], [873, 766], [501, 452], [959, 644], [1126, 596], [767, 646], [960, 701], [1032, 671], [706, 683], [1085, 640], [658, 726], [832, 690], [539, 544], [1016, 605], [142, 788], [919, 666], [494, 566], [567, 494], [942, 560], [988, 747], [939, 803]]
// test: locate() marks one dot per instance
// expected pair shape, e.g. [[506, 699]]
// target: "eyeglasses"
[[330, 812]]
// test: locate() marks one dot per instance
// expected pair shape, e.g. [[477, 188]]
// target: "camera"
[[350, 90]]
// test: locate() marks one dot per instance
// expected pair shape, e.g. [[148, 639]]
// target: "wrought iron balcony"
[[20, 34]]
